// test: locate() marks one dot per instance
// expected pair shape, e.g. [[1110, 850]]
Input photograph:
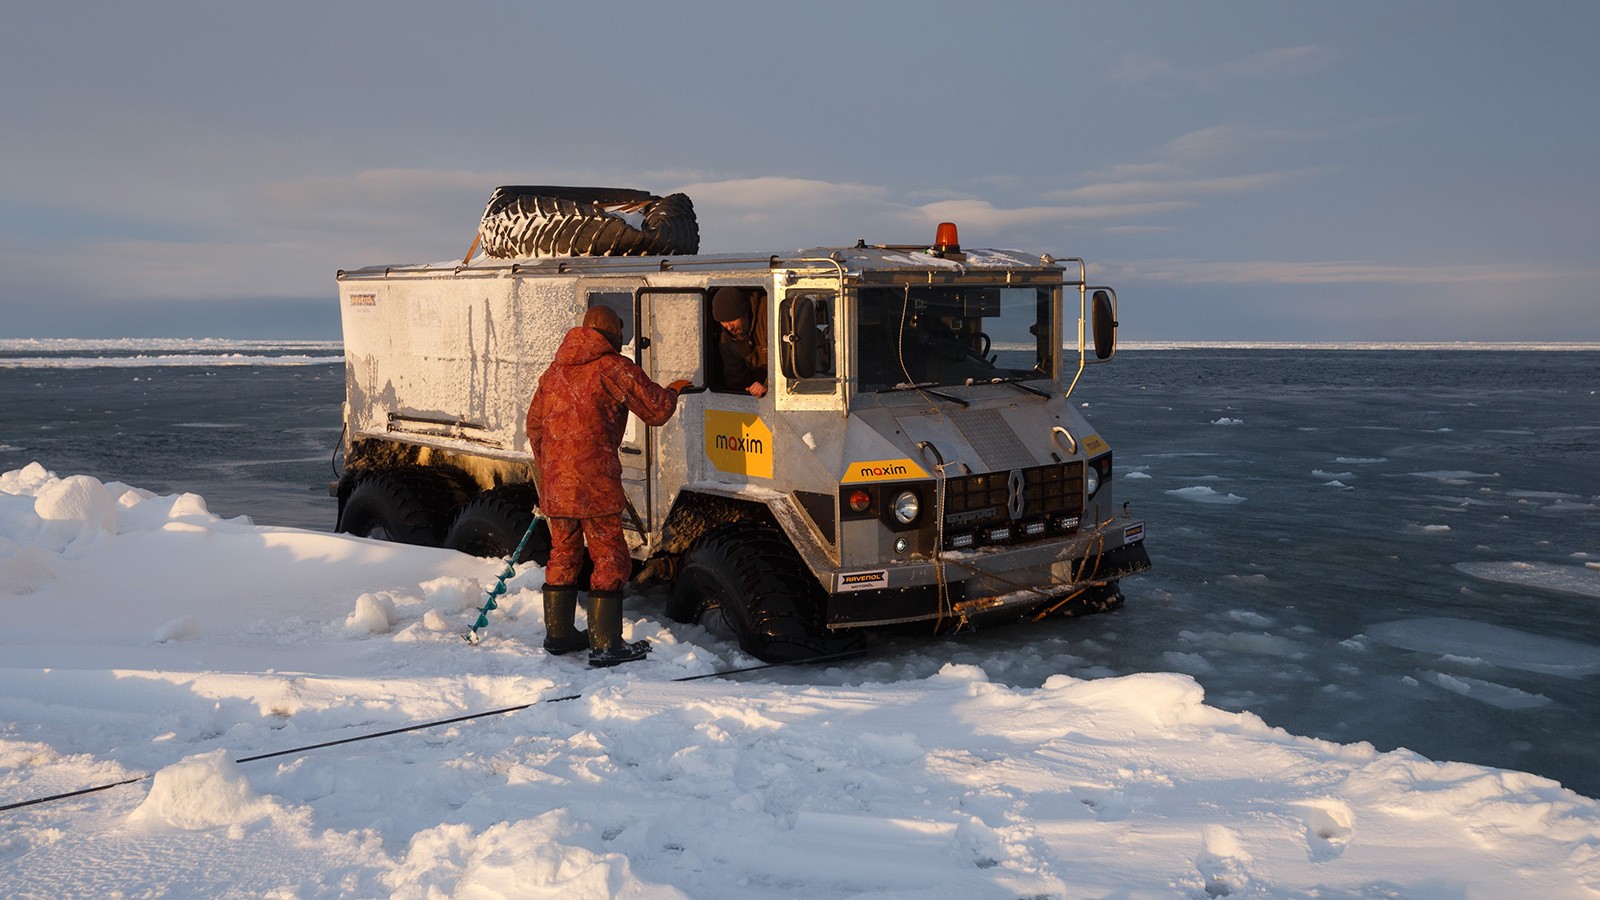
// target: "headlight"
[[906, 507], [1091, 480]]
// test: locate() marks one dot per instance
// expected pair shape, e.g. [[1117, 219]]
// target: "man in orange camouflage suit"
[[575, 424]]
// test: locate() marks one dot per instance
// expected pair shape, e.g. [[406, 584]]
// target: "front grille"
[[1015, 507]]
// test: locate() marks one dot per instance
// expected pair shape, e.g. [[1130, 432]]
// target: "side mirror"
[[1105, 325]]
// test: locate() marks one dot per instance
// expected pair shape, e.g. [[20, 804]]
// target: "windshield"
[[931, 336]]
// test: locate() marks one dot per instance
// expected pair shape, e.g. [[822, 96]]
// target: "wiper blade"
[[927, 387], [1017, 383]]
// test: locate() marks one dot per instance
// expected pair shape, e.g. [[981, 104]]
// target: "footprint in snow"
[[1330, 827]]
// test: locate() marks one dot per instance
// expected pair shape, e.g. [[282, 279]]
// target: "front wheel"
[[750, 577]]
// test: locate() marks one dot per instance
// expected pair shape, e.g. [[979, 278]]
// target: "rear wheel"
[[747, 579], [492, 523], [407, 506]]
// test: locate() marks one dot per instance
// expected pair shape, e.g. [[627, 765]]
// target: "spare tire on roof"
[[546, 220]]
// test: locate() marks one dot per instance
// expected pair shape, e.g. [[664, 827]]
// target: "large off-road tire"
[[492, 523], [557, 221], [749, 576], [407, 505]]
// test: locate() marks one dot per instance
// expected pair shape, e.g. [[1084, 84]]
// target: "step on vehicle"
[[913, 459]]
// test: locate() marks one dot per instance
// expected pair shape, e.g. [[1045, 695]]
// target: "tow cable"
[[418, 726]]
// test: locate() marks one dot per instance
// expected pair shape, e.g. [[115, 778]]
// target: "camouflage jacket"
[[576, 422]]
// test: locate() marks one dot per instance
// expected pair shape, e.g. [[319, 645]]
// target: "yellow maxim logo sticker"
[[1093, 446], [882, 470], [738, 443]]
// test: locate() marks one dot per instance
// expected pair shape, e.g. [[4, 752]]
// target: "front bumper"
[[991, 585]]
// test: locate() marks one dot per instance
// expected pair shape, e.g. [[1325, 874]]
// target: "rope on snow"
[[419, 726]]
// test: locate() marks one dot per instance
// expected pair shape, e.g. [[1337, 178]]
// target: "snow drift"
[[146, 636]]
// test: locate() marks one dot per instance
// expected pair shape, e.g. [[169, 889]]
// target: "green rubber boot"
[[606, 646], [561, 635]]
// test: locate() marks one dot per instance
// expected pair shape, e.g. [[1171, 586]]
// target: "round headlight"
[[1091, 480], [906, 507]]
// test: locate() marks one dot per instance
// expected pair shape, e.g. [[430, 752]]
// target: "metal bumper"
[[997, 584]]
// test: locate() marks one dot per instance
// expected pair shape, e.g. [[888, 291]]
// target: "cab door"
[[668, 348]]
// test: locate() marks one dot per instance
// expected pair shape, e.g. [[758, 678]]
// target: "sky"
[[1360, 171]]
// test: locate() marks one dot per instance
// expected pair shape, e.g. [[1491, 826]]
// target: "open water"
[[1393, 546]]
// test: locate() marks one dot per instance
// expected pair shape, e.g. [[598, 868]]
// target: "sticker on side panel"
[[863, 581], [738, 443], [1133, 533], [363, 299], [882, 470], [1094, 446]]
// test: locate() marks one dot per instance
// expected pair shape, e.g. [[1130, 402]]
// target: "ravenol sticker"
[[863, 581], [738, 443], [882, 470], [1133, 533], [1094, 446]]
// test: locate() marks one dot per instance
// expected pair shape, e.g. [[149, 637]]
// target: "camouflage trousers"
[[608, 549]]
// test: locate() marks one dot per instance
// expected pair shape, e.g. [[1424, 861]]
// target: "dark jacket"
[[744, 360]]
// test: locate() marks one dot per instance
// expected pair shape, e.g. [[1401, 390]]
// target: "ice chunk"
[[72, 509], [1203, 494], [1551, 577], [1494, 644], [1498, 695], [374, 614], [179, 629], [203, 791]]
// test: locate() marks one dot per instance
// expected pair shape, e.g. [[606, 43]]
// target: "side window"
[[807, 341], [739, 344]]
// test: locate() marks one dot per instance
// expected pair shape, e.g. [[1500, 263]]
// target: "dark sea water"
[[251, 429], [1393, 546], [1413, 557]]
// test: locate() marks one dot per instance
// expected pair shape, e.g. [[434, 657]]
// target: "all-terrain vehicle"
[[914, 457]]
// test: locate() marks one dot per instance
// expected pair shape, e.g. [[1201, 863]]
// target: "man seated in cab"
[[742, 346]]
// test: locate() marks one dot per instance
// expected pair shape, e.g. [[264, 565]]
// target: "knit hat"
[[728, 304]]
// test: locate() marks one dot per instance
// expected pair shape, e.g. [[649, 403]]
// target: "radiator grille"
[[1014, 507]]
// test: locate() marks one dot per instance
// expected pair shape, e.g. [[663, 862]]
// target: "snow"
[[149, 639]]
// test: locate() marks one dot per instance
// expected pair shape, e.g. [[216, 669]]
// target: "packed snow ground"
[[145, 636]]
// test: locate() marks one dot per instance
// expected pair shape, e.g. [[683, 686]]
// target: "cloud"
[[983, 214], [1144, 189], [1142, 68], [1223, 142], [394, 195], [1189, 271], [1283, 62], [769, 193]]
